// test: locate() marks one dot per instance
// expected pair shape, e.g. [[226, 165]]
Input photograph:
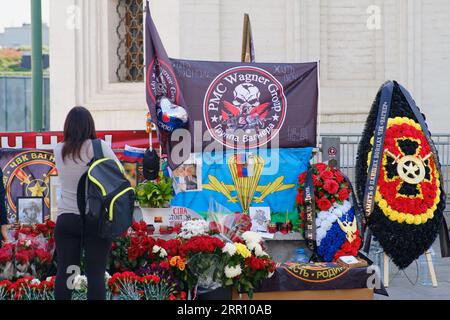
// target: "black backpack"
[[105, 195]]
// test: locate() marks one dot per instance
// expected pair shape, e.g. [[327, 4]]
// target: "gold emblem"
[[411, 169], [349, 228]]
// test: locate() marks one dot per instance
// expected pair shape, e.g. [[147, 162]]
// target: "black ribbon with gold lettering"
[[377, 150], [310, 213]]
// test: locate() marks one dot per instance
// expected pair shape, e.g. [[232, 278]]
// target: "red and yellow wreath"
[[408, 189]]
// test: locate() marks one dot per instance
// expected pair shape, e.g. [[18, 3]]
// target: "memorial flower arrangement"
[[30, 253], [246, 263], [27, 288], [336, 225], [138, 260], [409, 198]]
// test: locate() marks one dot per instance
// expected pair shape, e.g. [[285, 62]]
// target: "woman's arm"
[[109, 153]]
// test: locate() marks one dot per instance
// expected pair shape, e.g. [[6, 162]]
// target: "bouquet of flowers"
[[147, 286], [30, 288], [137, 248], [337, 233], [202, 254], [230, 226], [246, 263]]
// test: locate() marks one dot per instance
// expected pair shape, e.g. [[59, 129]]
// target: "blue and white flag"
[[267, 178]]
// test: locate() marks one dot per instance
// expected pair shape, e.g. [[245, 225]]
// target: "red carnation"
[[324, 204], [331, 186]]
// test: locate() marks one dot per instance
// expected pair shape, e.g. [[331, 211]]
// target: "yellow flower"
[[417, 220], [410, 219], [242, 250]]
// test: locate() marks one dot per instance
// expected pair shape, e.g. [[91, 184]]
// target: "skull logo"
[[246, 97]]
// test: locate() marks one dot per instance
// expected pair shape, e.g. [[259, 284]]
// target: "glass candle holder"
[[163, 229], [151, 229], [272, 227], [284, 228]]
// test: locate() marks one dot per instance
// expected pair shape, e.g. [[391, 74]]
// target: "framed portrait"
[[188, 176], [55, 195], [131, 172], [30, 210]]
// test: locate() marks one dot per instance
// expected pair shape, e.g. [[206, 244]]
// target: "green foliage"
[[155, 194]]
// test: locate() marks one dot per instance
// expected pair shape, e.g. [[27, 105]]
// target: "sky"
[[16, 12]]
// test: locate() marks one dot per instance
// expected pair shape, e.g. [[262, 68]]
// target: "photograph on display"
[[140, 173], [131, 172], [30, 210], [187, 177], [260, 217]]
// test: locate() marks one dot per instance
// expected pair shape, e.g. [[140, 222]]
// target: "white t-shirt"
[[70, 172]]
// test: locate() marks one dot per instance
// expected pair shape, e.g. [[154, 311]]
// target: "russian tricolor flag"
[[244, 165], [133, 154]]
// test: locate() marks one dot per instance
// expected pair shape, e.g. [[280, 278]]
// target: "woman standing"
[[72, 157]]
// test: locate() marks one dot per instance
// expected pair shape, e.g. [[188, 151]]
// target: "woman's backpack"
[[105, 195]]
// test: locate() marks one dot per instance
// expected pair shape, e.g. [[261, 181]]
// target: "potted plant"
[[154, 196]]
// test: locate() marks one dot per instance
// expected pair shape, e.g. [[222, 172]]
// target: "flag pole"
[[247, 53], [36, 65]]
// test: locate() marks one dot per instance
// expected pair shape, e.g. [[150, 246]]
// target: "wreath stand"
[[429, 263], [366, 249]]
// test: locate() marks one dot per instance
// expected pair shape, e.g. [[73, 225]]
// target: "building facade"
[[15, 37], [360, 44]]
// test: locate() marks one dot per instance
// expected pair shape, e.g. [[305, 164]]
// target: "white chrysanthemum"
[[230, 249], [232, 272], [251, 237], [162, 251], [107, 275], [193, 228], [35, 281], [79, 281]]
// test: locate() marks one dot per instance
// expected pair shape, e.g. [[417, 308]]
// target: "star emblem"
[[214, 118], [37, 190], [275, 117]]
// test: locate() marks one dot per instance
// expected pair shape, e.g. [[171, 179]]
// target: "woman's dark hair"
[[78, 128]]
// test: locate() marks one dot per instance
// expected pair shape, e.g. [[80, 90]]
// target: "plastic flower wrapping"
[[337, 232], [228, 225]]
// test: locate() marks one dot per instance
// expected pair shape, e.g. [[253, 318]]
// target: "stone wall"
[[360, 45]]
